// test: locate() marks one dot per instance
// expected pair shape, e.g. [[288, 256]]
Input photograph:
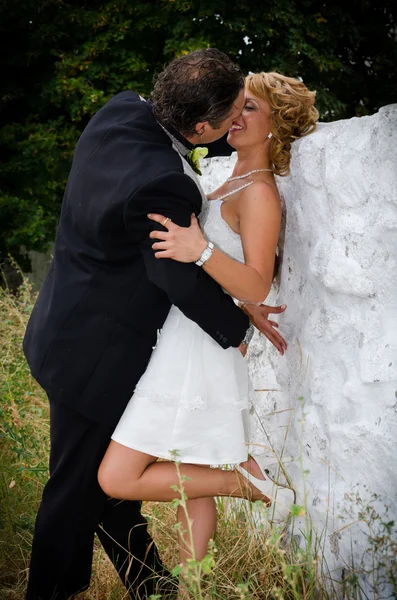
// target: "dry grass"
[[245, 561]]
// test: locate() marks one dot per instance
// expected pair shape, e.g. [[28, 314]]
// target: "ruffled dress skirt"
[[191, 404]]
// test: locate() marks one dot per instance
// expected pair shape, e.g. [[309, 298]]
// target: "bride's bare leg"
[[131, 475], [202, 514]]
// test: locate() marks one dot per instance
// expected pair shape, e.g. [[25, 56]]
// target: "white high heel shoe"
[[271, 464], [281, 496]]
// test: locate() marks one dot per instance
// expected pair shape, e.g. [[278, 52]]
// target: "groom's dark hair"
[[201, 86]]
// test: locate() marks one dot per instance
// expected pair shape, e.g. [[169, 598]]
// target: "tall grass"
[[246, 560]]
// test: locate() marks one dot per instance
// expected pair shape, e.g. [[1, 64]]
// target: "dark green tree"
[[62, 60]]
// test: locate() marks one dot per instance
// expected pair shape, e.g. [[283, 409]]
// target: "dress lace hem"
[[192, 403]]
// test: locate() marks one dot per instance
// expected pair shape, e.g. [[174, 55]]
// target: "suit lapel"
[[183, 152]]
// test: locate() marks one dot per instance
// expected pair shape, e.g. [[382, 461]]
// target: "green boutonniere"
[[194, 156]]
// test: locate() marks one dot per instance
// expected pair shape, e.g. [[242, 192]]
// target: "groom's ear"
[[201, 132], [201, 128]]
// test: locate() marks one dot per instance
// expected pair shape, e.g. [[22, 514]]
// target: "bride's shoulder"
[[259, 193], [260, 189]]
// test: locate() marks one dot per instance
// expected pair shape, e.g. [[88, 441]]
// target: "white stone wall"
[[339, 280]]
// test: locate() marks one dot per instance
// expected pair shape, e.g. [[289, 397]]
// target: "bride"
[[191, 403]]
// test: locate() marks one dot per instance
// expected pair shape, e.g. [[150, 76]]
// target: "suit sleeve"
[[187, 286], [219, 148]]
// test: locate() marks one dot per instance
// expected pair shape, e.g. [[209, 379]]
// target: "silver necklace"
[[234, 191], [247, 174]]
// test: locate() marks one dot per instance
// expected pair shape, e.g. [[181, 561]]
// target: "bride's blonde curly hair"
[[294, 114]]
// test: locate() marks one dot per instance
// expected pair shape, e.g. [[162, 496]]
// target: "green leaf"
[[177, 570]]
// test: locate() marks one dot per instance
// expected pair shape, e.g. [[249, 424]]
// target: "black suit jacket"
[[95, 321]]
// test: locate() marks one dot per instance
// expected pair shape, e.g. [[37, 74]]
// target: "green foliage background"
[[62, 60]]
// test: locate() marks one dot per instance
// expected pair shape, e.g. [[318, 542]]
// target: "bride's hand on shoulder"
[[183, 244]]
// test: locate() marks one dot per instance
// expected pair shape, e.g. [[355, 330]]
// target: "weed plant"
[[247, 560]]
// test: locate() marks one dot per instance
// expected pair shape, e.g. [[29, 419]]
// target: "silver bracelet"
[[206, 253], [249, 335]]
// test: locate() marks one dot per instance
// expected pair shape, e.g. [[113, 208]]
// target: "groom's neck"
[[194, 139]]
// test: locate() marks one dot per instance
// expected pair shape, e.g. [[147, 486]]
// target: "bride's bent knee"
[[120, 471], [108, 479], [105, 481], [110, 476], [117, 484]]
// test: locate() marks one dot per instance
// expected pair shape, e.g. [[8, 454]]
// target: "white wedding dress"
[[192, 401]]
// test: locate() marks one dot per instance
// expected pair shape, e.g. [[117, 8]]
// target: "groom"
[[96, 319]]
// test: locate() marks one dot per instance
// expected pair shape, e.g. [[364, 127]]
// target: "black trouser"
[[74, 507]]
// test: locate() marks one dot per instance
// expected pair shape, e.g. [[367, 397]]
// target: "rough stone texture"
[[339, 280]]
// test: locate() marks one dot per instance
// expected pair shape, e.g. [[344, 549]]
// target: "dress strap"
[[234, 191]]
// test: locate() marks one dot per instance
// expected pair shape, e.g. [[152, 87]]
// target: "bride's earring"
[[270, 136]]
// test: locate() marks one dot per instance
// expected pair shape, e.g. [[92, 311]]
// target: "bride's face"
[[253, 126]]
